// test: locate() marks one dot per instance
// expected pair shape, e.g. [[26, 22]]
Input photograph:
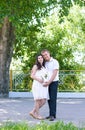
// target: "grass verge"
[[42, 126]]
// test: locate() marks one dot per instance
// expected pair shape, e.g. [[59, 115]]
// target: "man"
[[53, 67]]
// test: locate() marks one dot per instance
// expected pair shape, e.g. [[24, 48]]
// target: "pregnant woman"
[[39, 74]]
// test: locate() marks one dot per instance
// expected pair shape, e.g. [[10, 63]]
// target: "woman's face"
[[40, 59]]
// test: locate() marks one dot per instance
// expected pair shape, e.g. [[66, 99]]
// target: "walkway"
[[68, 110]]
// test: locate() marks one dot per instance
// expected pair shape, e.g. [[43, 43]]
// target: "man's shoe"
[[51, 118], [55, 117], [48, 117]]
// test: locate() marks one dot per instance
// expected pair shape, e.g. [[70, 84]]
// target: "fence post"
[[10, 80]]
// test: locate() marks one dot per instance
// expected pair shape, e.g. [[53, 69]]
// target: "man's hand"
[[45, 84]]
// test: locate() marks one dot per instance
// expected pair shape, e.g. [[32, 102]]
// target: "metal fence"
[[69, 80]]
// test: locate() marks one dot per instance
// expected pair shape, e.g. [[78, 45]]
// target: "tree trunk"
[[6, 51]]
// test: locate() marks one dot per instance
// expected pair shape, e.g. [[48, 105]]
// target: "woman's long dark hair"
[[38, 64]]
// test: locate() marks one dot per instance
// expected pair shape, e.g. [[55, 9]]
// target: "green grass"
[[42, 126]]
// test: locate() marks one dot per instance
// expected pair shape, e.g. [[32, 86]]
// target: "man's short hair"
[[45, 50]]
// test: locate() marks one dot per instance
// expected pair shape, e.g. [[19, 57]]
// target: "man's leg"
[[53, 97]]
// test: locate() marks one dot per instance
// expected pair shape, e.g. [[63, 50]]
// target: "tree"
[[64, 38], [23, 15], [26, 16], [6, 51]]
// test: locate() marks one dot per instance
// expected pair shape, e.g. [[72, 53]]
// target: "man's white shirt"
[[52, 65]]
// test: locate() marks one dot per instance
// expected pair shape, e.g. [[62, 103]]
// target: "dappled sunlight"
[[8, 101], [70, 101], [3, 111], [12, 110]]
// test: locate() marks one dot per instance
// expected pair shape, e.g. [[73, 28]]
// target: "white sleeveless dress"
[[38, 90]]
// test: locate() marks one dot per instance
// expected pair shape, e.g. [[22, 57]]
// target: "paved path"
[[68, 110]]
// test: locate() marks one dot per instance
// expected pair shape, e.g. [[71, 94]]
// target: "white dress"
[[38, 90]]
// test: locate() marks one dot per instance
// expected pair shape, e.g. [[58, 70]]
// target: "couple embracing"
[[45, 75]]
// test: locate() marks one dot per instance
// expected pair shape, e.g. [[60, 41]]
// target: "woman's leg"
[[35, 110], [37, 107], [38, 104], [42, 102]]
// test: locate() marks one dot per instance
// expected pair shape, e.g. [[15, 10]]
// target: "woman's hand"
[[40, 80]]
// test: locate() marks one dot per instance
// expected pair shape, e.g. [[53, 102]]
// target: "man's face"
[[46, 55]]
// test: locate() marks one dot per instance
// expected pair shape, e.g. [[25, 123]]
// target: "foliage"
[[63, 40], [69, 82], [28, 16], [66, 4], [60, 125], [14, 126], [56, 25]]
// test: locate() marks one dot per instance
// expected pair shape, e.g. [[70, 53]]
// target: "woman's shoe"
[[40, 117], [31, 114]]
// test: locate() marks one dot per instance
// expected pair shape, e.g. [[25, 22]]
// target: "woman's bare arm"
[[33, 76]]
